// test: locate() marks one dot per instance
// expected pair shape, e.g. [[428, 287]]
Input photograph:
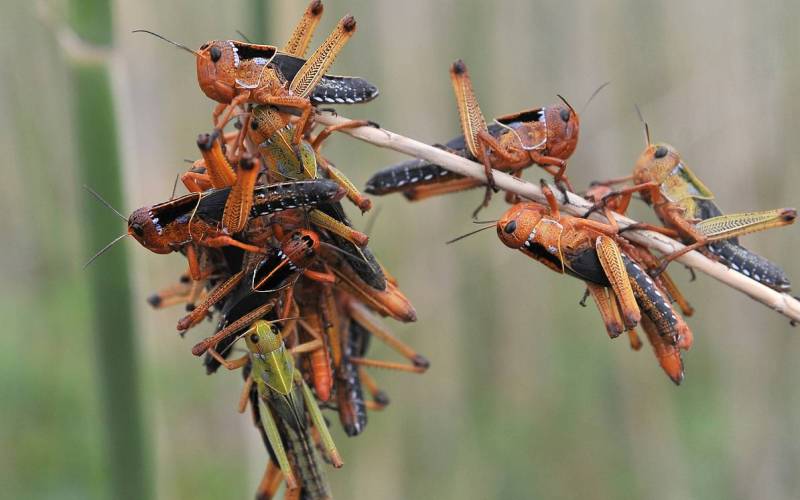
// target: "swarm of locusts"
[[628, 283], [275, 263], [273, 260]]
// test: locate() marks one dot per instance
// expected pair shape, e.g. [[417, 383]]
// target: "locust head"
[[216, 69], [262, 338], [516, 227], [563, 126], [147, 231], [226, 66], [655, 163]]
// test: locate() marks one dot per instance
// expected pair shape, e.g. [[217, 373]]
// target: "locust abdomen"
[[750, 264]]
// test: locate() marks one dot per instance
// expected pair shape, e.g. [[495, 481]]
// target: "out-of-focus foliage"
[[526, 397]]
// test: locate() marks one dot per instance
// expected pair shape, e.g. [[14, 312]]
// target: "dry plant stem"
[[782, 303]]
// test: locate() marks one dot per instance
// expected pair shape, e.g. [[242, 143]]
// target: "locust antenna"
[[372, 218], [568, 104], [104, 249], [174, 186], [594, 94], [341, 251], [104, 202], [646, 127], [468, 234], [243, 36], [179, 45]]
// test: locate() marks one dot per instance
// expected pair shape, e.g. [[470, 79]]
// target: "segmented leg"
[[317, 65], [325, 221], [353, 194], [360, 314], [319, 423], [222, 241], [614, 268], [276, 442], [201, 347], [379, 398], [200, 312], [304, 30], [270, 482], [196, 182], [607, 305], [240, 199]]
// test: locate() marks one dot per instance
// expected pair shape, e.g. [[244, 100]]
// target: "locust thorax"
[[517, 224], [655, 164], [147, 231], [563, 127]]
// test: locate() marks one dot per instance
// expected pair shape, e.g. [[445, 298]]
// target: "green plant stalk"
[[258, 22], [95, 130]]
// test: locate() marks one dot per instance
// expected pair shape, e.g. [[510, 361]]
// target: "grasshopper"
[[686, 208], [543, 136], [287, 405], [587, 250], [235, 73], [196, 219], [274, 134]]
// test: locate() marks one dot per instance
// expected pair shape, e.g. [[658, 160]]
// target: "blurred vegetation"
[[526, 396]]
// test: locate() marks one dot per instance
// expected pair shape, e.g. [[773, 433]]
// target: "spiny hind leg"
[[317, 65], [360, 314], [304, 30]]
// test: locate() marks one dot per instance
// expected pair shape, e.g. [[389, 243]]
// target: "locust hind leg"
[[220, 292], [316, 66], [614, 268], [319, 422], [276, 442], [304, 30], [473, 124], [270, 482], [380, 399], [325, 221], [240, 199], [219, 171], [607, 305], [359, 313], [352, 192]]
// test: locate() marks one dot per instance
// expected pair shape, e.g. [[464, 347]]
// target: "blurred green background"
[[526, 397]]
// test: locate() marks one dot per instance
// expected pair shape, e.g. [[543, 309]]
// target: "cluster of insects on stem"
[[275, 261], [272, 257]]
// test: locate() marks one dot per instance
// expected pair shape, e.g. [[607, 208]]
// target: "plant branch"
[[781, 302]]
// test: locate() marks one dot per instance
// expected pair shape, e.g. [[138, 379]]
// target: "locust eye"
[[254, 338], [307, 240], [216, 53], [660, 152], [564, 115], [137, 229], [510, 227]]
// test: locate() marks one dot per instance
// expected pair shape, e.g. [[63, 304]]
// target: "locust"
[[587, 249], [544, 136], [688, 211], [289, 410]]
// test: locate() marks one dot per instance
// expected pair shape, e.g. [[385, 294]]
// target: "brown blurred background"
[[526, 396]]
